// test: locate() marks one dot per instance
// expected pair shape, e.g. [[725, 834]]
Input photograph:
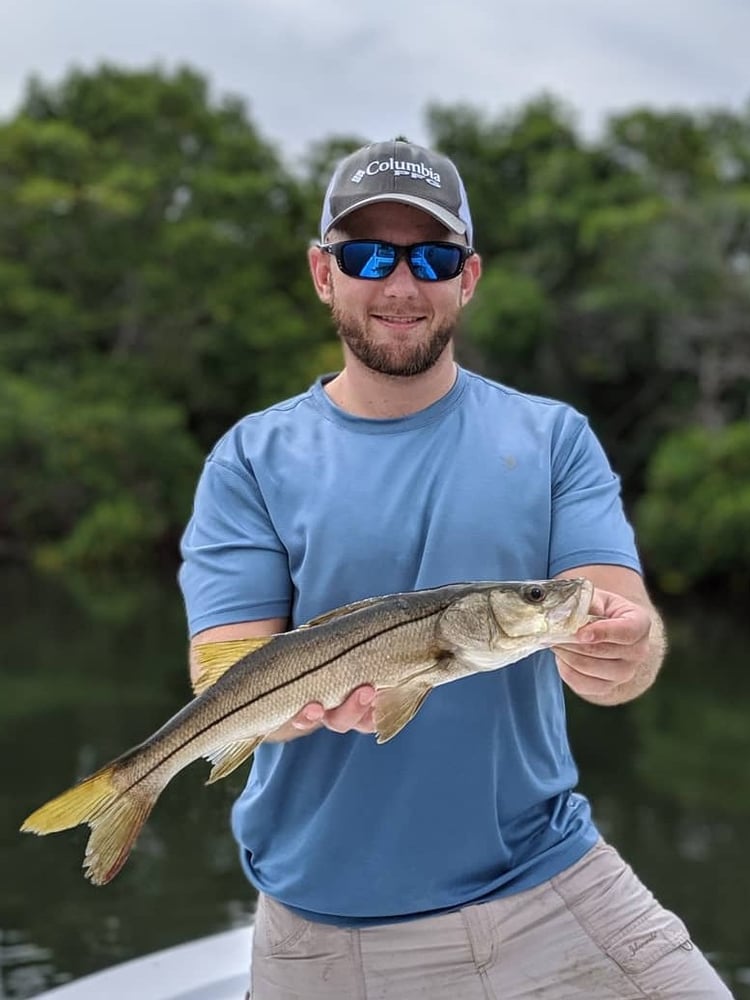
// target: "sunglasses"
[[376, 259]]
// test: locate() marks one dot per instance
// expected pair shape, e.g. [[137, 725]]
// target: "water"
[[87, 672]]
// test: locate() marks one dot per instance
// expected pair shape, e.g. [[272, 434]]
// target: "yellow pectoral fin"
[[215, 658], [394, 707]]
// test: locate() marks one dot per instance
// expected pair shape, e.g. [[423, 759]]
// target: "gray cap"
[[398, 171]]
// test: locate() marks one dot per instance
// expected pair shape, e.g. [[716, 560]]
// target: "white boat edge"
[[216, 967]]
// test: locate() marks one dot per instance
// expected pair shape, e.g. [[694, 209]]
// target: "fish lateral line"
[[118, 763]]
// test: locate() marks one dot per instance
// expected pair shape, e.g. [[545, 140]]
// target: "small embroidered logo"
[[401, 168]]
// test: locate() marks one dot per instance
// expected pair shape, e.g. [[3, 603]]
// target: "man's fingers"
[[601, 651], [608, 671], [586, 686], [310, 716], [367, 723], [355, 713], [618, 621], [351, 712]]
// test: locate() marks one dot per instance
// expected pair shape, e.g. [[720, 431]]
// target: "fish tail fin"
[[115, 816]]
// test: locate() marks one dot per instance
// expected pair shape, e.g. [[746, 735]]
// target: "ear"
[[321, 264], [470, 275]]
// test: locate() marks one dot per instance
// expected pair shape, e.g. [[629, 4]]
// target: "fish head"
[[550, 610], [501, 623]]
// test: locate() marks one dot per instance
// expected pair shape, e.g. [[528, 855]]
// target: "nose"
[[401, 283]]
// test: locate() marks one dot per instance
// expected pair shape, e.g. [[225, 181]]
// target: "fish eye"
[[534, 593]]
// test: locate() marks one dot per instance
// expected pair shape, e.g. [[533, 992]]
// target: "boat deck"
[[211, 968]]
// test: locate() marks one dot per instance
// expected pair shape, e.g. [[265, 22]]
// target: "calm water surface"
[[87, 672]]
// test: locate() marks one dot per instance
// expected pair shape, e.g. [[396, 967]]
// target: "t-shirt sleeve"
[[588, 524], [234, 567]]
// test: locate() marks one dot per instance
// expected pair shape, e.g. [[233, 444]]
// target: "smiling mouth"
[[397, 320]]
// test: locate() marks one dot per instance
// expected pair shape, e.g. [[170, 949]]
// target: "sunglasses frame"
[[402, 253]]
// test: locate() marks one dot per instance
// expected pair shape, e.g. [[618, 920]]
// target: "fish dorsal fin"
[[396, 706], [229, 757], [346, 609], [215, 658]]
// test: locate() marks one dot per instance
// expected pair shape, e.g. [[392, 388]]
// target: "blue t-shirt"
[[304, 507]]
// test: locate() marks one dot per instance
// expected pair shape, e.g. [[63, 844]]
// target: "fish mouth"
[[573, 611]]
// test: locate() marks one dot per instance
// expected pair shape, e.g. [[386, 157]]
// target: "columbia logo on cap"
[[401, 168]]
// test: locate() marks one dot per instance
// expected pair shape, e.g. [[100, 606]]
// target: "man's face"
[[396, 325]]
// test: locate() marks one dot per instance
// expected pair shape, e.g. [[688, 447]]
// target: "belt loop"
[[479, 932], [355, 947]]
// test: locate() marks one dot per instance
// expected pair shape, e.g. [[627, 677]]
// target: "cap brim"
[[447, 218]]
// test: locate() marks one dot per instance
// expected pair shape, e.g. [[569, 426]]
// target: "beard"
[[400, 360]]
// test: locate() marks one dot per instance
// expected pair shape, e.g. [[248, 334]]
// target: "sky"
[[312, 69]]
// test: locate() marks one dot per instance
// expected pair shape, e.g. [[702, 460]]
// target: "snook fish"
[[402, 644]]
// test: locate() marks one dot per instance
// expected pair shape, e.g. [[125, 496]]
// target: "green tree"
[[152, 289], [694, 519], [101, 476], [168, 230]]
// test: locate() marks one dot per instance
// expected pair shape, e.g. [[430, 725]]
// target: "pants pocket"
[[277, 930], [618, 912], [641, 944]]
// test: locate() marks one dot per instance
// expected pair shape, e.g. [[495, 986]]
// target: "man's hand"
[[353, 714], [614, 659]]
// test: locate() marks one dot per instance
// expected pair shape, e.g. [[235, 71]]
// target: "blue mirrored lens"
[[368, 259], [430, 262]]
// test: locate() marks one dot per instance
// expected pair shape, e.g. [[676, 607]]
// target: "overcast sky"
[[309, 69]]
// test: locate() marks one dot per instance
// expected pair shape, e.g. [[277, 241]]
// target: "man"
[[454, 861]]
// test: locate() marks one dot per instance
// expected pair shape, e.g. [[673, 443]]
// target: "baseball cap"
[[398, 171]]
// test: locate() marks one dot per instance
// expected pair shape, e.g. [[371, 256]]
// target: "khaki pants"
[[593, 932]]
